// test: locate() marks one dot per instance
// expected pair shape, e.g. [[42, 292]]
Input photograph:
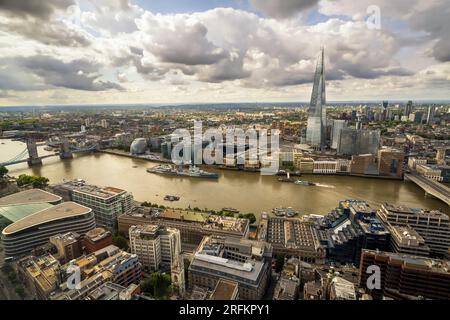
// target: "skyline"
[[182, 52]]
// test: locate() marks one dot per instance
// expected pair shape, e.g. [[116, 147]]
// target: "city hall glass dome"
[[138, 146]]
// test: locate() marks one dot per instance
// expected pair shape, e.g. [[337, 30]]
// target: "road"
[[434, 186]]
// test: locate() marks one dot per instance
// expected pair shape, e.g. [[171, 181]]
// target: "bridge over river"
[[431, 187]]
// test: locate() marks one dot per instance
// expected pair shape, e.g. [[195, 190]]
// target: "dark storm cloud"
[[45, 71], [361, 72], [435, 21], [41, 9], [283, 8]]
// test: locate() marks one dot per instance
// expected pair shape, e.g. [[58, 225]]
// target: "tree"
[[121, 242], [37, 182], [3, 171], [157, 286], [251, 217]]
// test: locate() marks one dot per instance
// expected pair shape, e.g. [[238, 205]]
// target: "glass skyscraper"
[[315, 132]]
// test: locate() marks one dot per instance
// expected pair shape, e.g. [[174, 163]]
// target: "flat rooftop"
[[60, 211], [225, 290], [29, 197], [415, 211], [184, 215], [92, 190], [423, 263]]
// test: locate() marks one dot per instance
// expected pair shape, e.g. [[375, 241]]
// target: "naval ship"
[[193, 172]]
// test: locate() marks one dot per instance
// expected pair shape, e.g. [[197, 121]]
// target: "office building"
[[363, 164], [433, 225], [156, 246], [317, 117], [109, 264], [113, 291], [193, 225], [390, 162], [225, 290], [349, 228], [354, 142], [406, 240], [292, 237], [69, 246], [246, 262], [341, 289], [286, 289], [338, 125], [431, 113], [19, 205], [36, 229], [406, 276], [325, 166], [40, 275], [97, 239], [434, 172], [107, 203], [408, 108]]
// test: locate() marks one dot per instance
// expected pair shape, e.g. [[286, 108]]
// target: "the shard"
[[315, 132]]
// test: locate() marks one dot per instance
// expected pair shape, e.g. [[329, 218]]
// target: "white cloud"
[[248, 56]]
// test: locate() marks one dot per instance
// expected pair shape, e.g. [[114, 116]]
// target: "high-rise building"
[[408, 108], [107, 202], [431, 114], [155, 246], [354, 142], [405, 276], [433, 226], [338, 125], [315, 132]]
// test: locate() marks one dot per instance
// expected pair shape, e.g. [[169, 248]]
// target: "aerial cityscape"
[[224, 150]]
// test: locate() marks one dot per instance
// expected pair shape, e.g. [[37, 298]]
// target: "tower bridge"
[[30, 153]]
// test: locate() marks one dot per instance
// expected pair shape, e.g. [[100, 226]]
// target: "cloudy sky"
[[182, 51]]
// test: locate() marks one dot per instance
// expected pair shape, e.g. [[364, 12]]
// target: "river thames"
[[245, 191]]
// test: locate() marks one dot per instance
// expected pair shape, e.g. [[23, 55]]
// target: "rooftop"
[[225, 290], [17, 212], [415, 211], [82, 187], [98, 234], [60, 211], [31, 196], [212, 255], [424, 263]]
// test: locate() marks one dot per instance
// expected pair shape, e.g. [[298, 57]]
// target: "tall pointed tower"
[[315, 132]]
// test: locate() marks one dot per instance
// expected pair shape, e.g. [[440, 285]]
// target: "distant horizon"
[[180, 104]]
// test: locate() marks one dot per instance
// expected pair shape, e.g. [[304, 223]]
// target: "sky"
[[188, 51]]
